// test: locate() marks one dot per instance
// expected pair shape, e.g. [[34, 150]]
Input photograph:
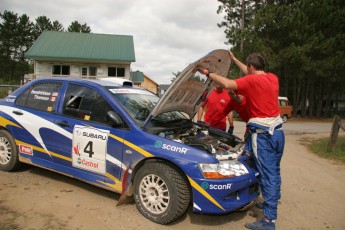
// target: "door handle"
[[64, 124], [18, 112]]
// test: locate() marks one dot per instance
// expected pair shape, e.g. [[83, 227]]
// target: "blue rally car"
[[125, 139]]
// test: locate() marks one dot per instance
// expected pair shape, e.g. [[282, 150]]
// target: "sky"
[[168, 34]]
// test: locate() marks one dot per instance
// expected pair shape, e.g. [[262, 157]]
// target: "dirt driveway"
[[313, 194]]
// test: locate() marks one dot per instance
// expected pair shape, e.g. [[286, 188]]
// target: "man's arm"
[[200, 113], [222, 81], [231, 119], [236, 97], [240, 65], [231, 123]]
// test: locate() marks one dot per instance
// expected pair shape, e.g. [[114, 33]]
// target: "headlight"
[[225, 169]]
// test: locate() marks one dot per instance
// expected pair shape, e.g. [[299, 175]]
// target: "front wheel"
[[161, 192], [8, 152], [284, 118]]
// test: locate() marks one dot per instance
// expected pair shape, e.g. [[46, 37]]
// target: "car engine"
[[220, 144]]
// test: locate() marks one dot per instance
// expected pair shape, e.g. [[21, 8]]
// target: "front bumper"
[[224, 196]]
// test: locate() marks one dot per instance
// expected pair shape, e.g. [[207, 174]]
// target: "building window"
[[116, 72], [93, 71], [84, 71], [120, 72], [112, 71], [61, 70]]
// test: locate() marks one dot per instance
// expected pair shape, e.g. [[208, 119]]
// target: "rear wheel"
[[8, 152], [161, 193]]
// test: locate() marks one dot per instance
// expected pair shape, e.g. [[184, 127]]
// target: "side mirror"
[[114, 119]]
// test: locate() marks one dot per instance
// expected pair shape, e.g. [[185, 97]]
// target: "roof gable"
[[55, 45]]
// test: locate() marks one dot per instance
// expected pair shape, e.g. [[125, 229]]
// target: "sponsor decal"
[[206, 185], [25, 149], [95, 135], [89, 148], [76, 150], [130, 91], [173, 148], [87, 163], [53, 99], [158, 144], [10, 100], [55, 94], [78, 132]]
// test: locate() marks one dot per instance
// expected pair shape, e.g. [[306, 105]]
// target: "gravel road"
[[313, 194]]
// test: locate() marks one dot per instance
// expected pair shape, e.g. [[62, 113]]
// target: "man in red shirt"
[[215, 104], [238, 103], [266, 139]]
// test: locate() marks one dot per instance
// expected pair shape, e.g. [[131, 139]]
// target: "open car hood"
[[190, 88]]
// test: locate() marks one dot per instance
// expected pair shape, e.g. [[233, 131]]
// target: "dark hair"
[[257, 61]]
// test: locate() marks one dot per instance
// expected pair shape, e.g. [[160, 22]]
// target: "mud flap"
[[125, 199]]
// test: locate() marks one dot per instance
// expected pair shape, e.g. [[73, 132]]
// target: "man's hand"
[[232, 94], [231, 130], [235, 96], [232, 56], [201, 123], [202, 70]]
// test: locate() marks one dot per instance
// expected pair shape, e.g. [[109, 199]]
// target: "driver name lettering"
[[41, 98], [39, 92], [94, 135]]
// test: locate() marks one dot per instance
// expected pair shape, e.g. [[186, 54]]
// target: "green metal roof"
[[67, 46], [137, 76]]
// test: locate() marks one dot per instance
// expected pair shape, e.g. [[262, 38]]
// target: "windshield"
[[139, 103]]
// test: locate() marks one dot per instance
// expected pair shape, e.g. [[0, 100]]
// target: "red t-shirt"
[[215, 104], [261, 92]]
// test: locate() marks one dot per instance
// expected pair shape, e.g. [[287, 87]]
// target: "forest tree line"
[[17, 34], [303, 42]]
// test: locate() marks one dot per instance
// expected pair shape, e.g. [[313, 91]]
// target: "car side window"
[[85, 103], [42, 96], [283, 103]]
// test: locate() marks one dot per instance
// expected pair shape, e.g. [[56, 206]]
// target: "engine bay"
[[222, 145]]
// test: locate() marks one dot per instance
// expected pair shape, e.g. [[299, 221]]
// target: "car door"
[[93, 146], [35, 109]]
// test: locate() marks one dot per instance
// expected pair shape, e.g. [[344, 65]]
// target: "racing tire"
[[9, 160], [284, 118], [161, 192]]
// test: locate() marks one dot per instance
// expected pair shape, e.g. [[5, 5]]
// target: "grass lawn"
[[319, 147]]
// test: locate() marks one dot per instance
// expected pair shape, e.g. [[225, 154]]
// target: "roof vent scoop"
[[120, 81]]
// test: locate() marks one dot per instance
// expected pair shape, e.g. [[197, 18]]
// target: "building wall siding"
[[149, 85], [44, 69]]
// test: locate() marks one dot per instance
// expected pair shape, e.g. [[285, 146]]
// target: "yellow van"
[[285, 108]]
